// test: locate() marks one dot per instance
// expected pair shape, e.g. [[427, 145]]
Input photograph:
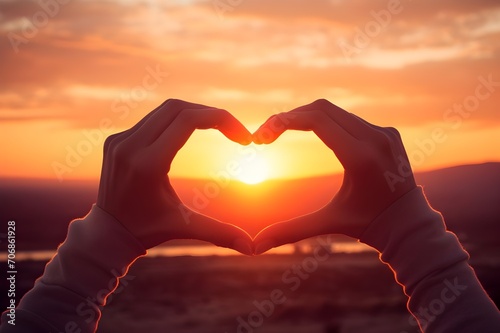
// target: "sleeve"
[[431, 265], [70, 294]]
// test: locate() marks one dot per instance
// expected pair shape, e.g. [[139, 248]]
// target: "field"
[[269, 293]]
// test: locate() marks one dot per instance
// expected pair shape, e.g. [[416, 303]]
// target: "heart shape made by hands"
[[254, 207], [377, 173], [134, 187]]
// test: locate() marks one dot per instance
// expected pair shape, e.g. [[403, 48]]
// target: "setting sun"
[[253, 171], [262, 154]]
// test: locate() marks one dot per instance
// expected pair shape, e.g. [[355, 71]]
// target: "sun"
[[253, 171]]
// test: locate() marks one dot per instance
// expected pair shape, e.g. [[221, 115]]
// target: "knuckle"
[[279, 121], [318, 118], [393, 131], [173, 103], [322, 103], [121, 153], [388, 141], [384, 141], [110, 142], [171, 100], [186, 118], [222, 114]]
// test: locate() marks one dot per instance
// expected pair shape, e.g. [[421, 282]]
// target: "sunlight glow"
[[253, 171], [248, 60]]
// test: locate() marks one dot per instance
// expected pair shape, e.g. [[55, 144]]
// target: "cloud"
[[355, 12], [261, 56]]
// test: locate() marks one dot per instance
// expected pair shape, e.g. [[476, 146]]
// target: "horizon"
[[421, 72], [219, 202], [269, 179], [252, 207]]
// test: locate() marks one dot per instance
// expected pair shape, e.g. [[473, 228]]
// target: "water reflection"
[[204, 251]]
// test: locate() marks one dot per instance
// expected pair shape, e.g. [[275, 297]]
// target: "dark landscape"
[[346, 293]]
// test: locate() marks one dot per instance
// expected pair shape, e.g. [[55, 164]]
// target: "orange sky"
[[69, 70]]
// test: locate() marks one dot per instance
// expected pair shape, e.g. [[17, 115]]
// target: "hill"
[[468, 197]]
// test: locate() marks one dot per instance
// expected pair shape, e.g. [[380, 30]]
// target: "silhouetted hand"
[[377, 172], [135, 187]]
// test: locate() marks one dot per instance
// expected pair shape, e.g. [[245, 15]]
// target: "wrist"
[[84, 272], [412, 238], [97, 249]]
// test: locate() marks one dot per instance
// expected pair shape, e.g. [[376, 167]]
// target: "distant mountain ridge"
[[468, 197]]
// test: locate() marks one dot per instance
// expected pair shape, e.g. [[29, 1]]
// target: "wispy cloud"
[[274, 52]]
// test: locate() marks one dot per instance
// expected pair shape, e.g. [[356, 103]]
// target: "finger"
[[333, 135], [226, 235], [367, 123], [315, 120], [113, 141], [148, 116], [391, 132], [145, 130], [176, 135], [273, 127], [150, 128], [314, 224], [350, 123], [121, 136]]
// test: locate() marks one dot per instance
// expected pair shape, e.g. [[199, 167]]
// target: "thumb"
[[226, 235], [291, 231]]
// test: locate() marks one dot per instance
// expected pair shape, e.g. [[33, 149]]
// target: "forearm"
[[78, 279], [431, 265]]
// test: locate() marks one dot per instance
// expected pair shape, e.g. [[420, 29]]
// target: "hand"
[[135, 187], [377, 173]]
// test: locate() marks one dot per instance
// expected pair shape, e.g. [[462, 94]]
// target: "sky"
[[75, 71]]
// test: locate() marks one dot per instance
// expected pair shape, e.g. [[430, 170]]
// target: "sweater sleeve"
[[431, 265], [70, 294]]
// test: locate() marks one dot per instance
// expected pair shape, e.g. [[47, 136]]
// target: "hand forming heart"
[[136, 190]]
